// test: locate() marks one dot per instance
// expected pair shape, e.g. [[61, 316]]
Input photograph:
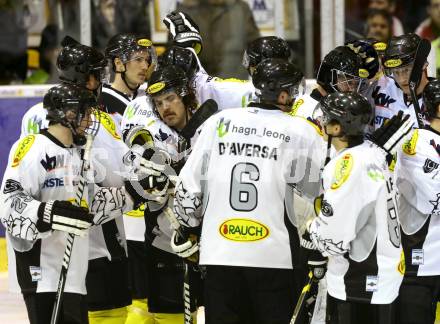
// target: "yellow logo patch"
[[136, 212], [243, 230], [108, 124], [409, 147], [380, 46], [295, 107], [342, 171], [23, 147], [363, 73], [393, 63], [401, 266], [156, 87], [144, 42]]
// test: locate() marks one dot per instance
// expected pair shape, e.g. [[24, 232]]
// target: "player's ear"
[[119, 65]]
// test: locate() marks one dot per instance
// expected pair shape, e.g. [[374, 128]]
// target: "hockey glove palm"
[[392, 132], [368, 54], [63, 216], [184, 30], [185, 245]]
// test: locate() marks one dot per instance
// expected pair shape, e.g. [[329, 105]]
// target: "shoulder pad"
[[23, 147], [108, 124], [342, 170], [308, 121], [409, 146]]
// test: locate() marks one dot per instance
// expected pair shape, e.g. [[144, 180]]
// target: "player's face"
[[137, 67], [401, 75], [93, 83], [171, 109], [346, 82]]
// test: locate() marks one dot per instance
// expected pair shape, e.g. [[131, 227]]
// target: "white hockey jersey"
[[107, 155], [39, 169], [389, 99], [418, 181], [237, 178], [357, 227]]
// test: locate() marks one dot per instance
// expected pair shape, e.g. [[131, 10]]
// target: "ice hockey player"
[[394, 94], [248, 242], [365, 267], [174, 101], [418, 181], [132, 60], [38, 189]]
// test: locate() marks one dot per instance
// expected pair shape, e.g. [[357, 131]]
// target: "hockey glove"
[[392, 132], [316, 262], [185, 245], [184, 30], [369, 56], [63, 216]]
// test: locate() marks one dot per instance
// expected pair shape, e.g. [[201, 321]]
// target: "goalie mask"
[[342, 70], [73, 107]]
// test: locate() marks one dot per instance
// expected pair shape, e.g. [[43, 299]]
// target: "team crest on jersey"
[[342, 171], [136, 212], [243, 230], [430, 166], [23, 147], [108, 124], [409, 146]]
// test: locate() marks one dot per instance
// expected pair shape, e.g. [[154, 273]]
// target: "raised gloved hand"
[[184, 30], [369, 56], [185, 245], [392, 132], [63, 216]]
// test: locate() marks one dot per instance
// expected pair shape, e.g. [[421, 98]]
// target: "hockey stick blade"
[[206, 110], [416, 74]]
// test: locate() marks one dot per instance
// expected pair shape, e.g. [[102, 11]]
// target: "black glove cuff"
[[131, 190], [44, 222]]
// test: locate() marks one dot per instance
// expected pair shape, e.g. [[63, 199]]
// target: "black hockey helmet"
[[181, 57], [400, 51], [341, 66], [275, 75], [350, 109], [122, 46], [68, 104], [263, 48], [76, 62], [431, 98], [168, 78]]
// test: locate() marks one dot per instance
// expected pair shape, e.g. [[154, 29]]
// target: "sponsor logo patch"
[[393, 63], [23, 147], [156, 87], [342, 171], [35, 273], [243, 230], [108, 124], [371, 283], [144, 42]]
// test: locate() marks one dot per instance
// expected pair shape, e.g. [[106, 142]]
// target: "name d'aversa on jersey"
[[247, 149]]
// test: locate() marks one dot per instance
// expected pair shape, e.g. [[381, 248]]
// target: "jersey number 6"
[[244, 195]]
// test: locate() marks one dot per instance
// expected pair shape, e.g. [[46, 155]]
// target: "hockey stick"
[[300, 304], [416, 74], [71, 238], [206, 110], [186, 286]]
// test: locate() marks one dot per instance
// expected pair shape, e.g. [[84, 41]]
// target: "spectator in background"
[[430, 27], [389, 6], [227, 26], [48, 50], [379, 25], [13, 41], [111, 17]]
